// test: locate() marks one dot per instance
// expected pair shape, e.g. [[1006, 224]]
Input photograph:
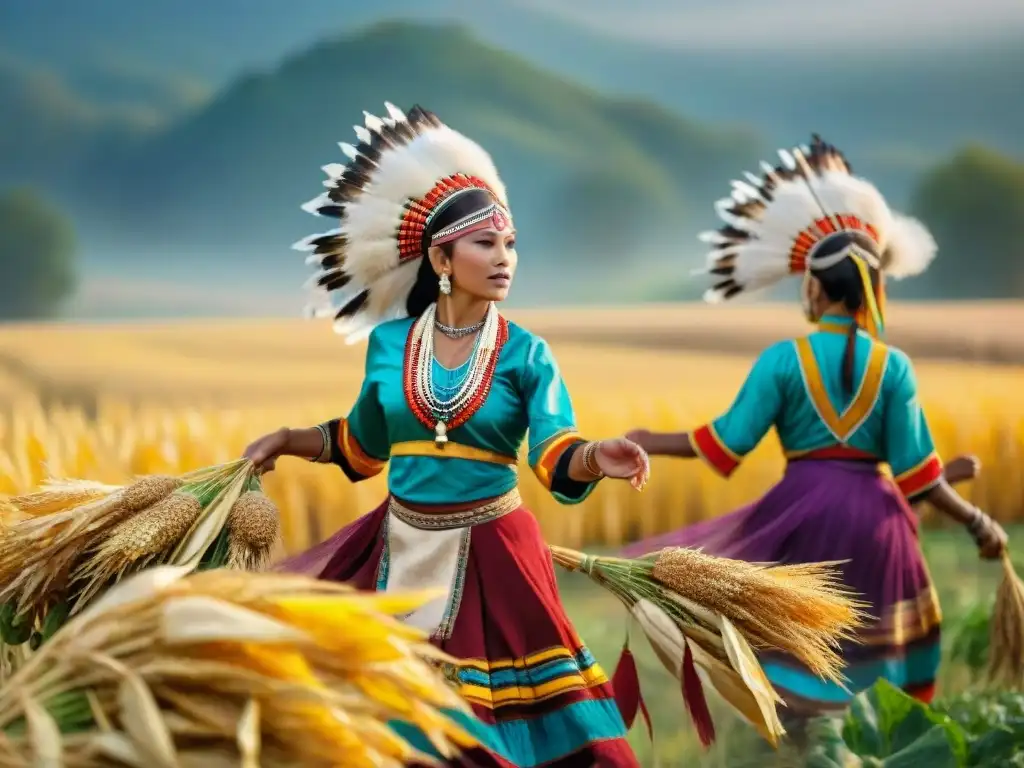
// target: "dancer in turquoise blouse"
[[452, 390], [843, 402], [528, 394], [789, 389]]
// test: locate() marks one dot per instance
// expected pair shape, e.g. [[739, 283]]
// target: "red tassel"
[[626, 687], [696, 703]]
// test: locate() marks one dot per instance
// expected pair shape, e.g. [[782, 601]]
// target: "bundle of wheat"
[[1006, 639], [227, 669], [703, 615], [72, 540]]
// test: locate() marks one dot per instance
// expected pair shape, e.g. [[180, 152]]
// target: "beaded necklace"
[[443, 409]]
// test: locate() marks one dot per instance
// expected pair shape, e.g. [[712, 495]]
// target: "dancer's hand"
[[962, 468], [265, 451], [988, 535], [622, 458]]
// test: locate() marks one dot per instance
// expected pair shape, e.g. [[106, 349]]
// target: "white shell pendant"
[[440, 434]]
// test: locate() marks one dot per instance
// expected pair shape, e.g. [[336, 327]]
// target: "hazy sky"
[[784, 24]]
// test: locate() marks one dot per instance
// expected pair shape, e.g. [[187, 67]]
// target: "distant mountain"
[[183, 142], [896, 110], [593, 180]]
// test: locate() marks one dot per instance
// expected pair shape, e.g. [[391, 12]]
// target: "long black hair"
[[842, 284], [426, 289]]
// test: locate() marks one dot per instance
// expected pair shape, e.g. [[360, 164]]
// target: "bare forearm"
[[306, 443], [676, 444], [951, 503], [950, 478]]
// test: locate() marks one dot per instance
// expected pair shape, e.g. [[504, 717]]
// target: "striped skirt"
[[539, 696], [838, 510]]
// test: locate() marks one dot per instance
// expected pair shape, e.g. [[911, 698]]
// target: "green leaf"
[[932, 749], [14, 630], [217, 555], [971, 638], [827, 749], [55, 618], [996, 747], [861, 728]]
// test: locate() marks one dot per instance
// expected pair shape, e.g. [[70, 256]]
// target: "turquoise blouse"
[[796, 387], [527, 395]]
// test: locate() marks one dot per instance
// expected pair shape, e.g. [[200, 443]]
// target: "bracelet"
[[977, 524], [325, 449], [589, 463]]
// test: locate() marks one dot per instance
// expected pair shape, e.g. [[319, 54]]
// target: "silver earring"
[[445, 284]]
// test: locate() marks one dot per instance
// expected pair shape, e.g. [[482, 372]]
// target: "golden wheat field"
[[107, 402]]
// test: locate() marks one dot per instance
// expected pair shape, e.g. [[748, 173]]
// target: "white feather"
[[333, 170], [371, 219], [740, 196], [750, 191], [796, 203], [910, 248], [317, 202]]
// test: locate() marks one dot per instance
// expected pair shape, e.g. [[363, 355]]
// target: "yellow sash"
[[451, 450], [842, 426]]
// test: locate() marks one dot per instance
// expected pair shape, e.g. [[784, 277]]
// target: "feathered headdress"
[[403, 172], [774, 225]]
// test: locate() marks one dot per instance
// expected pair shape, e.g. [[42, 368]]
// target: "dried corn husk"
[[219, 668], [720, 609], [743, 685], [1006, 638]]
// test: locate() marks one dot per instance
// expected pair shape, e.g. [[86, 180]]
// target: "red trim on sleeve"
[[921, 478], [709, 446]]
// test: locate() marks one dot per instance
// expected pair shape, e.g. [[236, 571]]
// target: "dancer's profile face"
[[483, 263]]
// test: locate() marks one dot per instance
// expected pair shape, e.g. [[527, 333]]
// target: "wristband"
[[589, 463], [325, 449]]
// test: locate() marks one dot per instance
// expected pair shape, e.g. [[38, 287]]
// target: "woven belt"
[[441, 521]]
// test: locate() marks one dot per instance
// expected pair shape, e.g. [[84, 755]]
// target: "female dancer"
[[842, 402], [425, 249]]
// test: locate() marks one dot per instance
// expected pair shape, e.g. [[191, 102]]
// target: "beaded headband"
[[493, 215]]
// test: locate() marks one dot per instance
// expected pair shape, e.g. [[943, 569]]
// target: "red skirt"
[[540, 697]]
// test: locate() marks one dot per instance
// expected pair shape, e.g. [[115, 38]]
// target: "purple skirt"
[[826, 510]]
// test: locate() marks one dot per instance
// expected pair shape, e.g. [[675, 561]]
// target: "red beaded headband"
[[419, 212]]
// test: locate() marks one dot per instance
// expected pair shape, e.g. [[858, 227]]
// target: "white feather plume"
[[763, 217], [910, 249], [368, 244]]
